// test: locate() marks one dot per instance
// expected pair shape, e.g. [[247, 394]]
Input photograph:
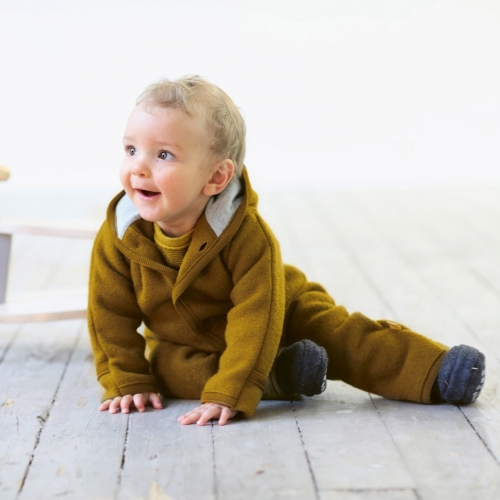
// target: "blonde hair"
[[193, 94]]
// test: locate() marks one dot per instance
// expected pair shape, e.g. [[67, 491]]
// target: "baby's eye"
[[130, 150], [165, 155]]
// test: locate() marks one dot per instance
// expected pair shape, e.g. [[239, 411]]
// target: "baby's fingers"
[[126, 402], [138, 400], [155, 400], [115, 404], [208, 414], [226, 414], [104, 406], [189, 418]]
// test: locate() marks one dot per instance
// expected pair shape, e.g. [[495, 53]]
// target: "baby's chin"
[[144, 215]]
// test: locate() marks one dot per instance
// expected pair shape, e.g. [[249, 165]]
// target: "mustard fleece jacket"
[[213, 328], [219, 319]]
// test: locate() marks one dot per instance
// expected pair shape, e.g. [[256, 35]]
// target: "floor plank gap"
[[306, 454], [124, 457], [485, 444]]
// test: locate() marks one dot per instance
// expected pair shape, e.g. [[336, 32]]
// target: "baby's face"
[[166, 167]]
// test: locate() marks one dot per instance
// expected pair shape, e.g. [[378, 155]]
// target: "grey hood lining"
[[126, 215], [221, 208], [218, 212]]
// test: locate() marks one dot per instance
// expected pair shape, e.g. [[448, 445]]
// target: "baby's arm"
[[139, 400], [113, 319], [207, 411], [255, 321]]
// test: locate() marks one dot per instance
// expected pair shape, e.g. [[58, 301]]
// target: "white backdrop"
[[335, 93]]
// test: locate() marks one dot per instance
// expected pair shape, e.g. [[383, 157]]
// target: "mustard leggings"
[[382, 357]]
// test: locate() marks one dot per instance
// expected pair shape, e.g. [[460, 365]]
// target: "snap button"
[[393, 325]]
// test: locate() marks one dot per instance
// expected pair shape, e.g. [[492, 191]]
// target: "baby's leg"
[[382, 357]]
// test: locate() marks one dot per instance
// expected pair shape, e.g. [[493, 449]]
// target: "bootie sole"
[[461, 376]]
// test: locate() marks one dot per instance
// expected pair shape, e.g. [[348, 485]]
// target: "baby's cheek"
[[124, 178]]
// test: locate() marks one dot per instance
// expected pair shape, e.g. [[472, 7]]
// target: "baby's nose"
[[140, 168]]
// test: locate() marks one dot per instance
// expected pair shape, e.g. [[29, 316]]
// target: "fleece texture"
[[213, 327]]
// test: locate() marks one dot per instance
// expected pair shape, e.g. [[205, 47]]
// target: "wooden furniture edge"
[[37, 307], [51, 228]]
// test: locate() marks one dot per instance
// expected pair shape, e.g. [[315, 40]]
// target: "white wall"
[[335, 93]]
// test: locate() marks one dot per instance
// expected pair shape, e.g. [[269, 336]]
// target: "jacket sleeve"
[[255, 322], [113, 319]]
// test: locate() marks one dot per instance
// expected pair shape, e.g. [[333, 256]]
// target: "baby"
[[185, 251]]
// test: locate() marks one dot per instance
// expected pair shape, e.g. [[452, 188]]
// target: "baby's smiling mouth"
[[148, 194]]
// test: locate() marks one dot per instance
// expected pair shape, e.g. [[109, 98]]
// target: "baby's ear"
[[223, 173]]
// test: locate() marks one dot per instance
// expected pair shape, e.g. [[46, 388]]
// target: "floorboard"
[[348, 446], [161, 454], [31, 373], [254, 458], [80, 450], [442, 451]]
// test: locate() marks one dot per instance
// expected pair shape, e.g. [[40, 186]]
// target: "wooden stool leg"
[[5, 243]]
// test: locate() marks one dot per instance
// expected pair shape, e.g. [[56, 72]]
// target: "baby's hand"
[[202, 414], [139, 400]]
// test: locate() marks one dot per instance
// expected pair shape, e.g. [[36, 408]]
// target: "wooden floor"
[[430, 259]]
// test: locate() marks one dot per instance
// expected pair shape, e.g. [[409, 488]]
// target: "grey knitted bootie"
[[461, 376], [301, 368]]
